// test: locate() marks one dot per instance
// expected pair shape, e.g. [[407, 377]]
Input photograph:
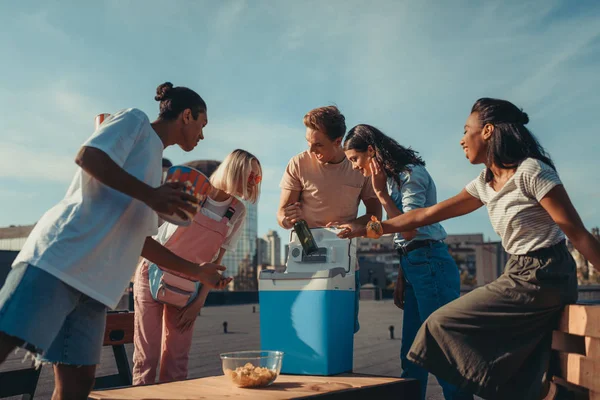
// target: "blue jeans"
[[431, 281], [356, 299]]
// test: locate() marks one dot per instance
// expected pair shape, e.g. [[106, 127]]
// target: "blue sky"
[[412, 68]]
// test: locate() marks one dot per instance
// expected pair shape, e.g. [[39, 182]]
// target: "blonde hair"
[[236, 168]]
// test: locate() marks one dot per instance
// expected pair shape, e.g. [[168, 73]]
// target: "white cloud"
[[413, 69], [23, 163], [40, 22]]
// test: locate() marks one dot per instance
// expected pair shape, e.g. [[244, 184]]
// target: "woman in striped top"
[[495, 341]]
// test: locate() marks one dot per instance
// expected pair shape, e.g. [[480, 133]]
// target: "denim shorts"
[[57, 322]]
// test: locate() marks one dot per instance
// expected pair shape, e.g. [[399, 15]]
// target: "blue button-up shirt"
[[416, 191]]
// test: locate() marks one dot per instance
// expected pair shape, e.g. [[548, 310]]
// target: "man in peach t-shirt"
[[320, 186]]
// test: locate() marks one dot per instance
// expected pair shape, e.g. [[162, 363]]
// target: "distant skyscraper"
[[262, 251], [246, 247], [274, 248]]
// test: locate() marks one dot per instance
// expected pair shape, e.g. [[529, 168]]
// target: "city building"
[[262, 251], [378, 261], [273, 248], [13, 238], [244, 256], [479, 262], [586, 273]]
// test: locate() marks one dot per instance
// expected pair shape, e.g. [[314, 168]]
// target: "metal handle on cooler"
[[329, 273]]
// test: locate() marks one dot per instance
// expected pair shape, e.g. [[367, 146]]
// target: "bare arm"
[[99, 165], [195, 305], [290, 209], [220, 256], [167, 199], [388, 204], [558, 205], [461, 204], [169, 261], [207, 273], [373, 207], [393, 211]]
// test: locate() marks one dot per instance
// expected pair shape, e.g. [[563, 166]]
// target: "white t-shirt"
[[214, 210], [93, 237], [515, 211]]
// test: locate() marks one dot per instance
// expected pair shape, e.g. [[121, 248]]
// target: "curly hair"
[[394, 157]]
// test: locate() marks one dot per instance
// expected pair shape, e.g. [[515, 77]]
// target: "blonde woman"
[[214, 230]]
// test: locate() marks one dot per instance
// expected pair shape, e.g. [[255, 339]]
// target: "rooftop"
[[374, 352]]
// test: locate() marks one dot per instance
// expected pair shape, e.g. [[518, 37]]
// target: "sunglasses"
[[254, 178]]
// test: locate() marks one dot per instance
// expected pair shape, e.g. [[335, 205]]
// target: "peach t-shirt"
[[329, 192]]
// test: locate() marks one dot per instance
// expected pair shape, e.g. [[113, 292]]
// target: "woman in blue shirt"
[[428, 277]]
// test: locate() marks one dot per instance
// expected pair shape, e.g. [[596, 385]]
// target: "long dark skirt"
[[495, 341]]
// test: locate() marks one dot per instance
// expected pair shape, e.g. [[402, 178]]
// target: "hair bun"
[[162, 91], [524, 118]]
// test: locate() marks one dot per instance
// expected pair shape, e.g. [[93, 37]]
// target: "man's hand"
[[344, 227], [292, 213], [209, 275], [350, 230], [170, 199]]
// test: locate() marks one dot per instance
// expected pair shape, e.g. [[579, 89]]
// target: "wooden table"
[[342, 387]]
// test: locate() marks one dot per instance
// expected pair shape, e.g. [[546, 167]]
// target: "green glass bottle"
[[306, 237]]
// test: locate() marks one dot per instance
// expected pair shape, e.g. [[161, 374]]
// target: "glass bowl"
[[252, 369]]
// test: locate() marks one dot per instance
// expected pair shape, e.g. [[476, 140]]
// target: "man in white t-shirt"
[[81, 254]]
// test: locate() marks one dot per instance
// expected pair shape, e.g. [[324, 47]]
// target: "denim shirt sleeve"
[[413, 189]]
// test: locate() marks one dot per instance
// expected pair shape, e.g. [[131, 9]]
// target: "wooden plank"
[[594, 395], [582, 320], [592, 348], [285, 387], [580, 370], [568, 343], [575, 392], [119, 328]]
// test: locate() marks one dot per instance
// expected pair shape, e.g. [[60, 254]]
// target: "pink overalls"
[[156, 323]]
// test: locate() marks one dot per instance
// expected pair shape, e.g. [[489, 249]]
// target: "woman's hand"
[[378, 177], [187, 316], [209, 275]]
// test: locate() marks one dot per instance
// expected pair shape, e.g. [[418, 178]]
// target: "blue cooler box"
[[307, 312]]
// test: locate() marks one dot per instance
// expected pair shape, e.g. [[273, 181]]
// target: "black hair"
[[394, 157], [174, 100], [511, 141]]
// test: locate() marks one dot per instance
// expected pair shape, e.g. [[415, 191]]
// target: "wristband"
[[374, 228]]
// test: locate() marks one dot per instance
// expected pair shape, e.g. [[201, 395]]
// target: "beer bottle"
[[306, 237]]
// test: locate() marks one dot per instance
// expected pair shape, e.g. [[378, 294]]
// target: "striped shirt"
[[515, 211]]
